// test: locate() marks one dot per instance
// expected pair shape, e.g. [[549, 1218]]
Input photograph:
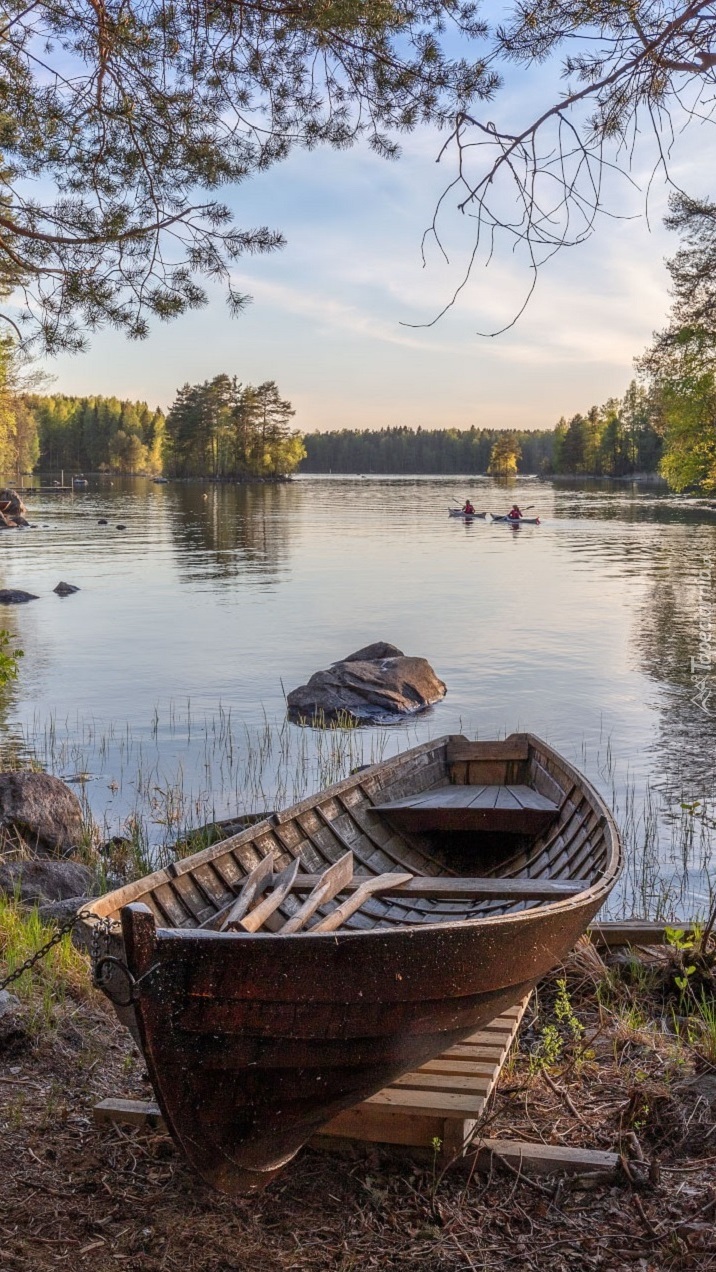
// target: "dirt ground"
[[78, 1196]]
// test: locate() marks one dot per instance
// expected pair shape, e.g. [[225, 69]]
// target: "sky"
[[337, 315]]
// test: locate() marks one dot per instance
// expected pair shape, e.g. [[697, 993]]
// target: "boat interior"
[[449, 831]]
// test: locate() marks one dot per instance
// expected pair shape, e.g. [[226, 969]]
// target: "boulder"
[[11, 596], [367, 688], [15, 506], [40, 813], [65, 589], [40, 882]]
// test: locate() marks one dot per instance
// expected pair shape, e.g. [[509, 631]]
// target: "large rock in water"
[[40, 813], [375, 685]]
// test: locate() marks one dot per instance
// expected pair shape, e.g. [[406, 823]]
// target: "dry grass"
[[82, 1197]]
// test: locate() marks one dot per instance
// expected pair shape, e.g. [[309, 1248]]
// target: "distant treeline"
[[421, 450], [615, 439], [96, 433], [226, 429], [220, 429]]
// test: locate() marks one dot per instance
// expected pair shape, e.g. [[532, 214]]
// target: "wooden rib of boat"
[[366, 929]]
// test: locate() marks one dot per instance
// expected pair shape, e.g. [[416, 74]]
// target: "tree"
[[504, 456], [127, 453], [574, 446], [635, 73], [680, 365], [231, 430], [121, 119]]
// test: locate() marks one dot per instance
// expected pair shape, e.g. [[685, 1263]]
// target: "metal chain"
[[101, 929]]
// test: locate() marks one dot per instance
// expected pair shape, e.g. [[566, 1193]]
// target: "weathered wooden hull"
[[253, 1041]]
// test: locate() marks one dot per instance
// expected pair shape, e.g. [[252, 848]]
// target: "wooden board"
[[451, 888], [515, 809]]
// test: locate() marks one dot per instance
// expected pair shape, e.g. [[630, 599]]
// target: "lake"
[[159, 687]]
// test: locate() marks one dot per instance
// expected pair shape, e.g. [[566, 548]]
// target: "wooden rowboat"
[[477, 867]]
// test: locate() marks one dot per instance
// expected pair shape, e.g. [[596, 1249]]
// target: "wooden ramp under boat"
[[441, 1101]]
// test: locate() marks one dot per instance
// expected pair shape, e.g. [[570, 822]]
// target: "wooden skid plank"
[[430, 1102], [385, 1125], [545, 1159], [468, 1068], [457, 1082], [129, 1113]]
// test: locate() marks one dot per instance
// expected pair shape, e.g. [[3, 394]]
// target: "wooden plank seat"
[[518, 810]]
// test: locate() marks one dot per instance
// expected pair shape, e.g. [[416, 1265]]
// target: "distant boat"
[[160, 481], [79, 483]]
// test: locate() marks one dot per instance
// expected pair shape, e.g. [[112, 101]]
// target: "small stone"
[[10, 596], [65, 589]]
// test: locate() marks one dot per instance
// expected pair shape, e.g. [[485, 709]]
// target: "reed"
[[162, 786]]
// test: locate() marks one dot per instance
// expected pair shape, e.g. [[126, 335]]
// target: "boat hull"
[[255, 1040], [517, 521], [252, 1049]]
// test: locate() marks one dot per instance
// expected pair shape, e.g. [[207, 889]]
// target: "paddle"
[[526, 509]]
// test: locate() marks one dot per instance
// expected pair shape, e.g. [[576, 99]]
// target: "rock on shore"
[[376, 684], [39, 813], [43, 882]]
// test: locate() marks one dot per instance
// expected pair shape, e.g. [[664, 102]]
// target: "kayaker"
[[468, 508], [514, 514]]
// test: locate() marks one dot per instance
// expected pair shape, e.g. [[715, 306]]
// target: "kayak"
[[517, 521], [468, 516]]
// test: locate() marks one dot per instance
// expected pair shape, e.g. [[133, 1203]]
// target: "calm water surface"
[[161, 682]]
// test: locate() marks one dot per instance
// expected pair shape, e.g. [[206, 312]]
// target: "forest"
[[617, 439], [220, 429]]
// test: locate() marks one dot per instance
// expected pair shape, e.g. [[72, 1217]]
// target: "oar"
[[332, 881], [354, 902], [256, 882], [283, 883], [526, 508]]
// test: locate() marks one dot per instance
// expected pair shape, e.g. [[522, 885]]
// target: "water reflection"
[[223, 531]]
